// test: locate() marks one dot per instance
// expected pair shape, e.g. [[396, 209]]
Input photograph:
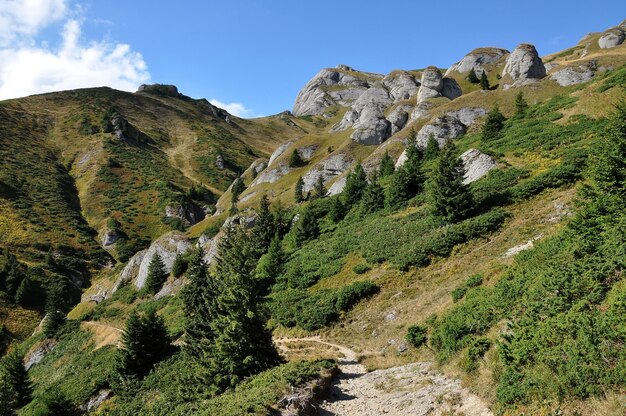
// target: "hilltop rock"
[[477, 59], [451, 88], [329, 168], [612, 38], [160, 89], [524, 63], [167, 247], [402, 85], [442, 129], [476, 165], [572, 75], [431, 84]]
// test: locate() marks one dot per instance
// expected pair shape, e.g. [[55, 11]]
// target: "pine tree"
[[432, 148], [55, 317], [386, 167], [320, 189], [144, 343], [337, 210], [307, 227], [356, 182], [408, 180], [295, 160], [373, 197], [13, 366], [270, 265], [471, 77], [484, 82], [132, 346], [23, 293], [298, 193], [450, 198], [8, 405], [156, 274], [493, 124], [264, 227], [237, 188], [242, 344], [180, 265], [520, 105]]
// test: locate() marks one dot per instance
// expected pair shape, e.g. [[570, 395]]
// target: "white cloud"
[[27, 68], [236, 109]]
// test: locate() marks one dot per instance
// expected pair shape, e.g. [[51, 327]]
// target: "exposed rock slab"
[[524, 63], [271, 175], [329, 168], [573, 75], [477, 59], [401, 85], [278, 152], [467, 115], [612, 38], [442, 129], [337, 187], [476, 165], [166, 246], [431, 84]]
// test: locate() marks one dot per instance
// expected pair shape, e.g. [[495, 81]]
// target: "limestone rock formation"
[[431, 84], [278, 152], [371, 127], [442, 129], [187, 211], [476, 165], [337, 187], [347, 121], [572, 75], [524, 64], [402, 85], [160, 89], [129, 272], [477, 59], [329, 168], [612, 37], [271, 175], [467, 115], [306, 152], [451, 89], [109, 237], [398, 117]]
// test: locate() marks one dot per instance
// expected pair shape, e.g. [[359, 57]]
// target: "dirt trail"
[[103, 334], [412, 389]]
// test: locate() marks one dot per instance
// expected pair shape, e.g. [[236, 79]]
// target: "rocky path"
[[412, 389]]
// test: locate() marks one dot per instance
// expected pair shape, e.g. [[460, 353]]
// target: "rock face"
[[160, 89], [306, 152], [129, 272], [451, 88], [371, 127], [188, 212], [398, 117], [432, 84], [329, 168], [442, 129], [401, 85], [109, 237], [612, 38], [524, 63], [476, 165], [35, 356], [271, 175], [96, 400], [477, 59], [467, 115], [573, 75], [337, 187], [278, 152]]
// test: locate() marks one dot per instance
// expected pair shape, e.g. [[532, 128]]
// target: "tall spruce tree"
[[156, 274], [408, 180], [264, 226], [373, 198], [55, 317], [8, 405], [337, 210], [295, 160], [144, 343], [180, 265], [484, 82], [298, 191], [356, 182], [237, 188], [471, 77], [386, 167], [449, 196], [521, 106], [20, 384], [320, 189], [307, 227], [432, 148], [493, 124], [270, 265]]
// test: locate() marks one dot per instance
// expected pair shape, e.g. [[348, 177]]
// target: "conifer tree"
[[320, 189], [180, 265], [270, 265], [520, 105], [449, 197], [23, 293], [307, 227], [356, 182], [55, 318], [408, 180], [298, 193], [8, 405], [264, 227], [132, 346], [484, 82], [295, 160], [19, 382], [432, 148], [373, 197], [237, 188], [156, 274], [493, 124], [471, 77], [386, 167], [337, 210]]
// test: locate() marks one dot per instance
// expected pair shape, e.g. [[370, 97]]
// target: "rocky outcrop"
[[220, 163], [306, 152], [109, 237], [160, 89], [187, 211], [278, 152], [402, 85], [612, 38], [421, 110], [36, 354], [451, 88], [167, 247], [442, 129], [96, 400], [435, 85], [524, 64], [347, 121], [371, 127], [329, 168], [467, 115], [271, 175], [246, 220], [398, 117], [129, 272], [337, 187], [477, 59], [573, 75], [476, 165]]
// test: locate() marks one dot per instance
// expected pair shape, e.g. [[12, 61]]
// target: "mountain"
[[497, 260]]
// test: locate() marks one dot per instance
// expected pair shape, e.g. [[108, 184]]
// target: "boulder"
[[271, 175], [612, 38], [347, 121], [337, 187], [220, 163], [431, 84], [524, 63], [35, 356], [442, 129], [171, 287], [372, 131], [451, 88], [421, 110], [401, 85], [166, 246], [246, 220], [187, 211], [401, 160], [399, 117], [129, 272], [476, 165], [306, 152], [96, 400], [160, 89], [477, 59], [573, 75], [278, 152], [109, 237], [371, 127], [329, 168], [467, 115]]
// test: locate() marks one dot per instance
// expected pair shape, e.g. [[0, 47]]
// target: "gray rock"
[[550, 66], [188, 212], [328, 169], [477, 59], [524, 63], [612, 38], [347, 121], [159, 89], [96, 400], [401, 85], [467, 115], [129, 272], [109, 237], [399, 117], [278, 152], [371, 127], [246, 220], [451, 88], [306, 152], [166, 246], [38, 353], [442, 129], [432, 84], [476, 165], [421, 110], [401, 159], [372, 131], [219, 162], [337, 187], [271, 175], [170, 287], [573, 75]]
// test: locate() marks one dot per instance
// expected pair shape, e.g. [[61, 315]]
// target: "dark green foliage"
[[264, 227], [387, 166], [180, 265], [24, 292], [54, 403], [144, 343], [237, 188], [521, 106], [416, 335], [271, 265], [484, 82], [373, 198], [337, 210], [356, 182], [295, 160], [19, 384], [476, 350], [320, 190], [450, 198], [471, 77], [432, 148], [298, 195], [156, 274], [408, 180], [361, 268], [473, 281], [55, 317], [494, 123], [352, 294], [8, 405], [307, 227]]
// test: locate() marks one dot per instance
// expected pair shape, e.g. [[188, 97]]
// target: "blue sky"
[[254, 56]]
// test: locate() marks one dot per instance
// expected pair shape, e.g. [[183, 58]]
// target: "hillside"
[[452, 224]]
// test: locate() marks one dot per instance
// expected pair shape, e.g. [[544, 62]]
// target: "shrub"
[[476, 350], [361, 268], [473, 281], [416, 335]]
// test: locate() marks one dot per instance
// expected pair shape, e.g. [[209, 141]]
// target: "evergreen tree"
[[237, 188], [57, 404], [386, 167], [144, 343], [270, 265], [295, 160], [24, 292], [299, 196], [264, 227], [180, 265], [356, 182], [520, 105], [493, 124], [8, 405], [484, 82], [307, 227], [320, 189], [55, 317], [242, 344], [450, 198], [156, 274], [20, 385], [337, 210], [432, 148], [373, 197], [408, 180], [471, 77]]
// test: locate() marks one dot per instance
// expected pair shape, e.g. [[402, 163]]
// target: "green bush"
[[476, 350], [416, 335], [361, 268], [473, 281]]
